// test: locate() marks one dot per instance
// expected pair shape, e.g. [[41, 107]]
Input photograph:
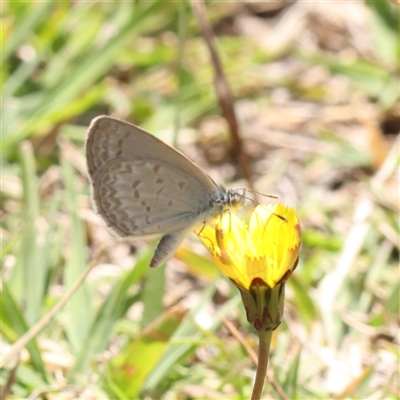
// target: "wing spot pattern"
[[136, 183], [127, 228], [133, 196], [126, 135], [115, 167]]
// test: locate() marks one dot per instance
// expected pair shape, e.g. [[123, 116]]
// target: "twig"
[[6, 388], [224, 95]]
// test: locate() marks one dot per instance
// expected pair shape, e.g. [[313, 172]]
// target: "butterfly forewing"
[[140, 185]]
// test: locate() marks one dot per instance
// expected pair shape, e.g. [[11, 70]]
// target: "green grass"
[[305, 114]]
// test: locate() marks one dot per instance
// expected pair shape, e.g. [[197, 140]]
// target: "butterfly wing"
[[140, 185], [167, 247]]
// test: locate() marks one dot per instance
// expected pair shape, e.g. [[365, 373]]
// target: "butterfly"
[[141, 186]]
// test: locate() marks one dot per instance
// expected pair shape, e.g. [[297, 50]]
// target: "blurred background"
[[315, 93]]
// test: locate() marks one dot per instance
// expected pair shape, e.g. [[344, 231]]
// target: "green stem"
[[264, 342]]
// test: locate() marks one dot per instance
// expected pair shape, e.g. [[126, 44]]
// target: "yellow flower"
[[258, 258], [267, 249]]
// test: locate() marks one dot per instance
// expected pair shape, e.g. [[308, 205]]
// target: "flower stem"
[[264, 342]]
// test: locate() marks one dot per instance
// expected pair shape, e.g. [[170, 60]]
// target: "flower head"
[[266, 251], [258, 259]]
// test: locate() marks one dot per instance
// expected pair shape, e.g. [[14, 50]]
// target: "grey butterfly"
[[144, 187]]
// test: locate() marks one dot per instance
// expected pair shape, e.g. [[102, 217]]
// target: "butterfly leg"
[[204, 237]]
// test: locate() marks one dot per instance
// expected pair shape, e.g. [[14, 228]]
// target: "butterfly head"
[[234, 199]]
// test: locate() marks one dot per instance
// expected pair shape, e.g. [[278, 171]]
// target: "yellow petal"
[[267, 249]]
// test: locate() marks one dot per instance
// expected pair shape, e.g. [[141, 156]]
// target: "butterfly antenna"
[[271, 196]]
